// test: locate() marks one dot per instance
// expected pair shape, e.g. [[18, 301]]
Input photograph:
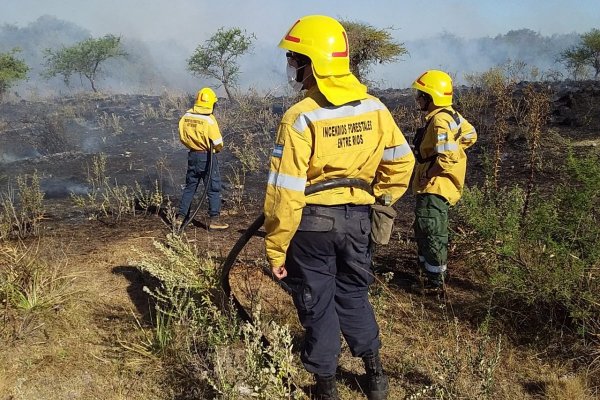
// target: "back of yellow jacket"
[[197, 130], [317, 142], [444, 141]]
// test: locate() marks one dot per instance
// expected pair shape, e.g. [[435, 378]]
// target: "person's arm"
[[214, 135], [468, 136], [183, 137], [284, 198]]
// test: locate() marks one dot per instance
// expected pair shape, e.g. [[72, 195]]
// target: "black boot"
[[326, 388], [377, 380], [435, 281]]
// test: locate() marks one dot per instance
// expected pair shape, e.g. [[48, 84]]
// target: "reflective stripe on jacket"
[[316, 142], [197, 130], [444, 142]]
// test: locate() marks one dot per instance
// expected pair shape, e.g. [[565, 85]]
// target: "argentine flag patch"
[[278, 151]]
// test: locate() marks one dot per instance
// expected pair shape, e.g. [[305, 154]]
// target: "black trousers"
[[329, 270]]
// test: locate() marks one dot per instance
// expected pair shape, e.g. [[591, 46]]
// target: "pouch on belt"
[[382, 222]]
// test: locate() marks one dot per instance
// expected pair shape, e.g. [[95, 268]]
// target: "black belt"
[[315, 208]]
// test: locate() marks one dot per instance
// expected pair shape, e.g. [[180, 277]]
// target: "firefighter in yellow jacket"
[[198, 128], [319, 243], [439, 174]]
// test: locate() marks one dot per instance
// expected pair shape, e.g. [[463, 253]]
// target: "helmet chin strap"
[[299, 78], [299, 72]]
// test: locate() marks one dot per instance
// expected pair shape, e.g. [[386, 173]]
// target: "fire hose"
[[207, 182]]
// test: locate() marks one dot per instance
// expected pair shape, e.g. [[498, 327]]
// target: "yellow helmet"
[[437, 84], [206, 98], [323, 40]]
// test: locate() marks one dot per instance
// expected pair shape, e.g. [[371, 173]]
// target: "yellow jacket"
[[197, 129], [447, 135], [316, 142]]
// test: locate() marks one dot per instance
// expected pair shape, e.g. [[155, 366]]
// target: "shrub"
[[111, 123], [29, 288], [545, 260], [189, 290], [22, 209], [112, 200], [196, 333]]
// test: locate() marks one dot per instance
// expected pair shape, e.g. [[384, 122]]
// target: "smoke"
[[460, 56], [153, 66], [7, 157], [56, 188]]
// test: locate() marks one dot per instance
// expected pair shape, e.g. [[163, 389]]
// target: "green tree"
[[369, 45], [12, 70], [83, 58], [585, 54], [217, 58]]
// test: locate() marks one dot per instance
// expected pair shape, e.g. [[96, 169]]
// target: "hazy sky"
[[191, 22], [188, 20]]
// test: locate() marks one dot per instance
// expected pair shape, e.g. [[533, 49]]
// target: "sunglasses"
[[297, 60], [292, 59]]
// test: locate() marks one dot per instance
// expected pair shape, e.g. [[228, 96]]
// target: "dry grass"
[[111, 123], [429, 349], [110, 200], [69, 348], [22, 208], [249, 127], [408, 119]]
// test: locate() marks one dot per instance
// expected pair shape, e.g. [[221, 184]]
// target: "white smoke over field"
[[460, 56], [158, 65]]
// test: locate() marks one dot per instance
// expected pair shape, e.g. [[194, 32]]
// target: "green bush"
[[12, 70], [547, 259], [189, 290]]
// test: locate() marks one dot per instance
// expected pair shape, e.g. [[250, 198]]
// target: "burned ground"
[[87, 350]]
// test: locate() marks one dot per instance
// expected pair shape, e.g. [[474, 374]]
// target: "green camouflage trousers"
[[431, 231]]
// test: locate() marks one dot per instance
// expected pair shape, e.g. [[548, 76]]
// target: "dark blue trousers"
[[329, 270], [197, 170]]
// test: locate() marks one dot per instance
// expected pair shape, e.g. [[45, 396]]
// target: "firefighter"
[[439, 174], [197, 129], [319, 244]]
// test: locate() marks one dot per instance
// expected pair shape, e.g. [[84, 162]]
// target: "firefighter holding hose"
[[198, 130]]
